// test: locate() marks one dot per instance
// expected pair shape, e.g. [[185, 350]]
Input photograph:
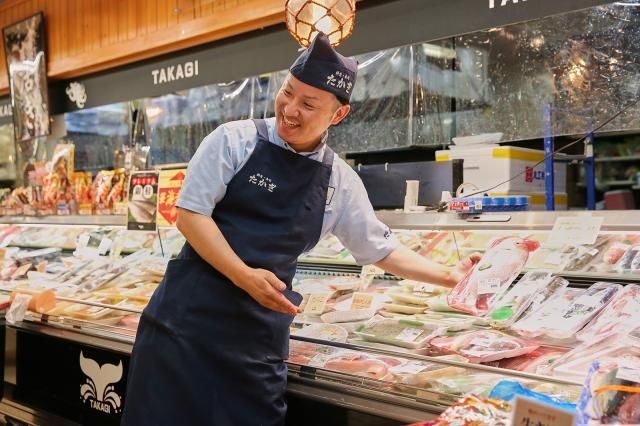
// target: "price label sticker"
[[411, 367], [371, 270], [410, 334], [318, 360], [316, 303], [361, 301], [630, 374], [489, 286], [528, 412], [105, 246], [423, 288]]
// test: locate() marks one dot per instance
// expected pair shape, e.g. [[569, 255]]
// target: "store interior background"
[[408, 102]]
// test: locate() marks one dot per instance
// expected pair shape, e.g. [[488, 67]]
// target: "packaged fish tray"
[[484, 346], [399, 332]]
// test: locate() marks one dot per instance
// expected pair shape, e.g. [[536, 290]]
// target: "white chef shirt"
[[348, 212]]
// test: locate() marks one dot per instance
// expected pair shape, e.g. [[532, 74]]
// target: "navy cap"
[[322, 67]]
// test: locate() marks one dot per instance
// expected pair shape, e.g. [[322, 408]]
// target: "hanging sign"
[[168, 191], [143, 201]]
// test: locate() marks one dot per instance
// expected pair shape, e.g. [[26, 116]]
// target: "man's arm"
[[205, 237], [407, 264]]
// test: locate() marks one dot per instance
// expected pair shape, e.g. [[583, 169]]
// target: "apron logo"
[[262, 181], [387, 234], [99, 389]]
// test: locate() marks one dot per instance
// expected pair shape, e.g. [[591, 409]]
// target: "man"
[[211, 344]]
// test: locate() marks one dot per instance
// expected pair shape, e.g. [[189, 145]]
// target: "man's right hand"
[[266, 289]]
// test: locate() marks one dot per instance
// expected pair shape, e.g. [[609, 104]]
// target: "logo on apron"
[[99, 389], [262, 181]]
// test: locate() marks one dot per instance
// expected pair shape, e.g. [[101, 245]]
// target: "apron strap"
[[327, 159], [261, 126]]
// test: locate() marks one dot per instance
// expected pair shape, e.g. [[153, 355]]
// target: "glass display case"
[[399, 350]]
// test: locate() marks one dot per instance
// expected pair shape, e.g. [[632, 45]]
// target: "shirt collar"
[[315, 154]]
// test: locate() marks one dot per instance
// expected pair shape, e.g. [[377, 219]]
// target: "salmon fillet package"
[[478, 292]]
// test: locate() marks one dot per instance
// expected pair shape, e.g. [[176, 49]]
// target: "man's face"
[[304, 112]]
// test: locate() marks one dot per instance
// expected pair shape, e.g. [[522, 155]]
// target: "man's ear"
[[340, 114]]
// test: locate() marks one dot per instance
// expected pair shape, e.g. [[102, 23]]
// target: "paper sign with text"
[[528, 412], [575, 230]]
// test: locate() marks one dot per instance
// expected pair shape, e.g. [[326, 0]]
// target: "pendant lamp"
[[335, 18]]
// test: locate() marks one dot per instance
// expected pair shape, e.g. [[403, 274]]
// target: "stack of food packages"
[[94, 274], [536, 324], [55, 189]]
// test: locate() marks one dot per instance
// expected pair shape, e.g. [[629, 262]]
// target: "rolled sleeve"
[[359, 230], [208, 174]]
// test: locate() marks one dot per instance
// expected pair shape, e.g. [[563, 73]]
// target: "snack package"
[[484, 346], [564, 323], [398, 332], [82, 192], [622, 314], [518, 298], [611, 395], [100, 191], [474, 411], [491, 277]]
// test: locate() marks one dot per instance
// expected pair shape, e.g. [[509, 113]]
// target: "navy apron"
[[205, 352]]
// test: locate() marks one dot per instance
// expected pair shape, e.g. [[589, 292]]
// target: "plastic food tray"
[[410, 334]]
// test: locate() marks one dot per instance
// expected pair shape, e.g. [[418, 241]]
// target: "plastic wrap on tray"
[[535, 362], [630, 261], [533, 323], [621, 315], [472, 411], [491, 277], [563, 322], [586, 254], [518, 298], [611, 395], [484, 345], [398, 332], [328, 332], [421, 373], [361, 364]]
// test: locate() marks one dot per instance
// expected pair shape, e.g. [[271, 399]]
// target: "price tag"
[[630, 374], [554, 258], [410, 334], [105, 246], [412, 367], [318, 361], [371, 270], [316, 303], [576, 230], [423, 288], [361, 301], [489, 286], [528, 412]]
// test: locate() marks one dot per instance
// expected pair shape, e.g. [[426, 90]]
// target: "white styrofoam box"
[[537, 200], [488, 166]]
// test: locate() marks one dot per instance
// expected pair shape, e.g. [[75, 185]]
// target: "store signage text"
[[98, 389], [175, 72], [531, 175], [492, 3], [5, 110]]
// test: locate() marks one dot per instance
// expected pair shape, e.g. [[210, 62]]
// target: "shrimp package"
[[479, 291]]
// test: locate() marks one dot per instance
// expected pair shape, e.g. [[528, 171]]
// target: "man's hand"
[[266, 289], [463, 267]]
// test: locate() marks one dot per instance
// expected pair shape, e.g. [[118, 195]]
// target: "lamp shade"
[[306, 18]]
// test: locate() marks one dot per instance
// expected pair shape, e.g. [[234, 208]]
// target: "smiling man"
[[211, 344]]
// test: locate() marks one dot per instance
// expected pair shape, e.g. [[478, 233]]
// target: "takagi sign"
[[494, 3], [175, 72]]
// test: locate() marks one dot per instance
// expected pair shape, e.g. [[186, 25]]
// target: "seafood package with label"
[[399, 332], [535, 362], [563, 317], [421, 373], [484, 346], [611, 395], [630, 261], [360, 364], [586, 254], [490, 278], [518, 298], [622, 314]]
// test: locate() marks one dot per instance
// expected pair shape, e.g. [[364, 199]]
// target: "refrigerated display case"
[[367, 343]]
